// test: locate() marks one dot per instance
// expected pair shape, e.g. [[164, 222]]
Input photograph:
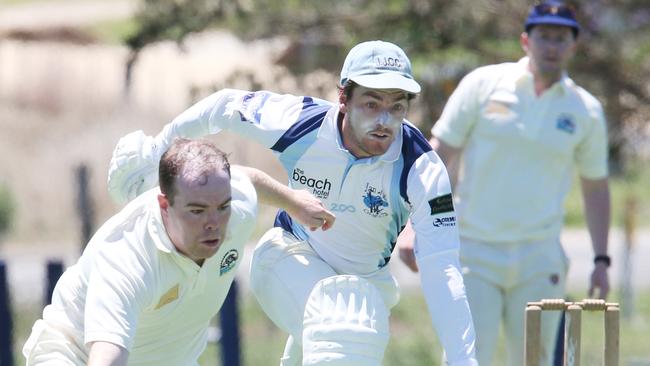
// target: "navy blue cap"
[[554, 13]]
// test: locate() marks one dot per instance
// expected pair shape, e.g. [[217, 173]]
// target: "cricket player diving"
[[331, 289], [152, 277]]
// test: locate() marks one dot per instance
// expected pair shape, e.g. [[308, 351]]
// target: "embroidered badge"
[[375, 202], [441, 204], [554, 278], [565, 123], [169, 296], [228, 261]]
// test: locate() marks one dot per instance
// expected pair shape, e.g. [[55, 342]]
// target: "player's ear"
[[163, 202], [523, 41], [343, 100]]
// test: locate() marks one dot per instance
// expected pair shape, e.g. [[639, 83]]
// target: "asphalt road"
[[26, 264]]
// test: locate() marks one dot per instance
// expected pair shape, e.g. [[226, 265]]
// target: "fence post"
[[6, 330], [84, 205], [229, 322], [54, 272]]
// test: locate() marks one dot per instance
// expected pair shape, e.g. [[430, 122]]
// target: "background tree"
[[444, 38]]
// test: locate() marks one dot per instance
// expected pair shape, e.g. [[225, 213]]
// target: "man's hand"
[[309, 211], [600, 281], [405, 243]]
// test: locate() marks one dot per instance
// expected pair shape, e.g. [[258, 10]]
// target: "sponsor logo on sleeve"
[[441, 204], [228, 261], [444, 221]]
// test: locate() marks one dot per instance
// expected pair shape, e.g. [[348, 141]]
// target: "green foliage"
[[7, 208], [445, 39], [114, 31], [630, 188]]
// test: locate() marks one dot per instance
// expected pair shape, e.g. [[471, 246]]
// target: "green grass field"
[[412, 342], [633, 187]]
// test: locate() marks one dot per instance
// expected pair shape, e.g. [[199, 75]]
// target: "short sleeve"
[[591, 154], [117, 294], [460, 113]]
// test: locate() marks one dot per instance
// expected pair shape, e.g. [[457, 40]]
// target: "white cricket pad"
[[345, 324]]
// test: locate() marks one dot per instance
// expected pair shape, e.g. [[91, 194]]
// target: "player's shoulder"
[[413, 141], [492, 71], [584, 95], [128, 219]]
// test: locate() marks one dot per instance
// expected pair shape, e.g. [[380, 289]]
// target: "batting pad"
[[345, 323]]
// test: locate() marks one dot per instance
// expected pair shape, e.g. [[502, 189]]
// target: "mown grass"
[[413, 341], [629, 188]]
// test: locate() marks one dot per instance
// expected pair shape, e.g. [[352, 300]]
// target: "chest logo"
[[169, 296], [228, 261], [565, 123], [375, 202]]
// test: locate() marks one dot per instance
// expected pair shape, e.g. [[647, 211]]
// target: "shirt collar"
[[329, 131], [156, 227], [525, 76]]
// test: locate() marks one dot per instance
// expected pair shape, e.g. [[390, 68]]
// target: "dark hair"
[[346, 90], [196, 157]]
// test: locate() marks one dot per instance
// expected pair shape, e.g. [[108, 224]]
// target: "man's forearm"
[[597, 212], [269, 191], [107, 354]]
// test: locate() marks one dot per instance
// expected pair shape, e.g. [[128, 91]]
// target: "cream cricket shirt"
[[519, 151], [132, 288]]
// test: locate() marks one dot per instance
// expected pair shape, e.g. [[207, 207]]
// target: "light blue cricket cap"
[[379, 65]]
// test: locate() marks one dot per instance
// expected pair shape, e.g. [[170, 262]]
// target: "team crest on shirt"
[[375, 202], [565, 123], [228, 261]]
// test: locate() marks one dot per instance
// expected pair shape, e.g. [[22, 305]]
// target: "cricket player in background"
[[331, 290], [510, 136], [153, 276]]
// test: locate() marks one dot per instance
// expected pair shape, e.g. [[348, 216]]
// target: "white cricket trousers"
[[500, 278], [284, 270]]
